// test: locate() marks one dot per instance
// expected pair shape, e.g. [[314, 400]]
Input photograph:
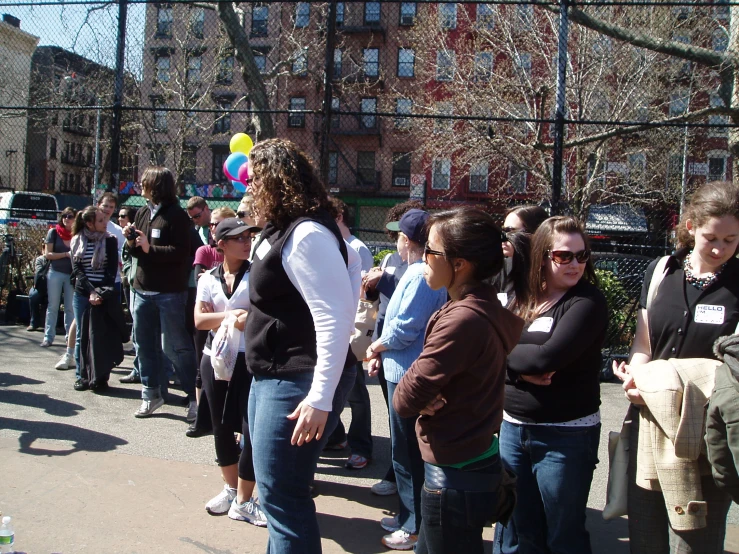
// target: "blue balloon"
[[233, 163], [238, 185]]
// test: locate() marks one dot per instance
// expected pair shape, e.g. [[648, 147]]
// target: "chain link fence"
[[611, 111]]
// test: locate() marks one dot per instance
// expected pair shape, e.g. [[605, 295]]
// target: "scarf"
[[63, 233], [80, 242], [727, 350]]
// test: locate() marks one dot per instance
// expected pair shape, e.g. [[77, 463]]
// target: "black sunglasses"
[[242, 214], [197, 215], [428, 252], [68, 216], [511, 230], [562, 257]]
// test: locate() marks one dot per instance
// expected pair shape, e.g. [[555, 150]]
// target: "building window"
[[403, 106], [637, 163], [485, 17], [52, 149], [401, 169], [259, 19], [52, 180], [300, 64], [448, 16], [296, 119], [371, 13], [441, 174], [445, 62], [194, 65], [371, 59], [333, 168], [443, 109], [517, 178], [674, 170], [164, 20], [219, 157], [160, 116], [189, 164], [678, 103], [483, 65], [66, 151], [368, 106], [335, 117], [302, 14], [406, 62], [524, 15], [720, 40], [197, 22], [718, 120], [716, 168], [337, 62], [340, 10], [479, 177], [260, 57], [225, 70], [89, 155], [366, 174], [222, 123], [163, 65], [523, 64], [407, 13]]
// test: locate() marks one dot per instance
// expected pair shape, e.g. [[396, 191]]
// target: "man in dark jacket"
[[160, 242]]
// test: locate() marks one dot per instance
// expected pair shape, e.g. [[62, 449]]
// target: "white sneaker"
[[219, 505], [384, 488], [400, 540], [66, 362], [148, 407], [192, 411], [249, 511]]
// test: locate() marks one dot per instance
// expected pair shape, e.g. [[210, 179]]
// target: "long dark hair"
[[470, 234], [160, 183], [530, 215], [84, 216], [517, 275], [716, 199], [541, 243]]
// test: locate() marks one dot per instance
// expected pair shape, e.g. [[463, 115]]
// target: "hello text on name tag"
[[713, 315], [541, 325], [263, 248]]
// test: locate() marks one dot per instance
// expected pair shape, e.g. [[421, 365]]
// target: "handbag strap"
[[657, 277]]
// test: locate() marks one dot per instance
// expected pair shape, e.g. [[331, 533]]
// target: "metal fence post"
[[328, 76], [115, 135], [559, 118]]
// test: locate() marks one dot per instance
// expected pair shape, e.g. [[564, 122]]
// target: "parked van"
[[22, 209]]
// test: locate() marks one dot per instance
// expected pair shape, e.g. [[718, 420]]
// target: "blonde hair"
[[224, 212]]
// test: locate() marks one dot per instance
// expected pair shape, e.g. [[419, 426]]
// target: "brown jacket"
[[464, 359]]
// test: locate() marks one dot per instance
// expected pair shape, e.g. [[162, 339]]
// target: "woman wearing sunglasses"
[[59, 280], [551, 423]]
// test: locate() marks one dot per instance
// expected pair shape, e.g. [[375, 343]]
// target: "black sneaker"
[[81, 384]]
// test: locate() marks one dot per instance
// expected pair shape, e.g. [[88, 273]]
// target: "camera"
[[131, 234]]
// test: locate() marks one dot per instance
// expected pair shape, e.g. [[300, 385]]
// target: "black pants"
[[228, 403]]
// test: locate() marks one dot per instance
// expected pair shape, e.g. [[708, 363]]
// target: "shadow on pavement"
[[13, 380], [83, 439], [611, 537], [50, 405]]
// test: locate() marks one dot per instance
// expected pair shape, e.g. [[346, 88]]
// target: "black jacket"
[[103, 332], [82, 285]]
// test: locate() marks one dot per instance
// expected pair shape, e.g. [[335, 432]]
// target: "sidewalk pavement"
[[80, 475]]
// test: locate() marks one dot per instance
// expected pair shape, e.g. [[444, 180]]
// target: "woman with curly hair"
[[297, 332]]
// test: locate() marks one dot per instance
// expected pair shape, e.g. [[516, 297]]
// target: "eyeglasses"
[[212, 223], [244, 237], [197, 215], [428, 252], [562, 257], [68, 216], [242, 214]]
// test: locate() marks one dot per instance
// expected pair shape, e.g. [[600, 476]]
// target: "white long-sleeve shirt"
[[314, 265]]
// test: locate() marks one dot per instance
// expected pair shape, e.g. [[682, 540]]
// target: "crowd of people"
[[486, 342]]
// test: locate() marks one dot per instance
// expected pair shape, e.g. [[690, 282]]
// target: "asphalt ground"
[[80, 474]]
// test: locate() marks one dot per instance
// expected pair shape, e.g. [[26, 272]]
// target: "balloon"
[[241, 142], [232, 164], [239, 186], [244, 173]]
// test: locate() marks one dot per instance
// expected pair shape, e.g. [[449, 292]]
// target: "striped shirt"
[[95, 276]]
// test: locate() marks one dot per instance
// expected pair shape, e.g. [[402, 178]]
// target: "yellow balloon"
[[241, 142]]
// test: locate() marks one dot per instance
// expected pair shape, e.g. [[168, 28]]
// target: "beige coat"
[[671, 431]]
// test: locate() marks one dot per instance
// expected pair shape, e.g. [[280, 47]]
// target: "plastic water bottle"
[[7, 535]]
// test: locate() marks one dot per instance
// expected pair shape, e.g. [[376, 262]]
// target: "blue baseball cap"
[[412, 225]]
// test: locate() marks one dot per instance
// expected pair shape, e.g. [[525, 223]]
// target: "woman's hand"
[[373, 276], [95, 299], [142, 241], [241, 320], [310, 425], [206, 307], [632, 393], [542, 380], [434, 406], [374, 366]]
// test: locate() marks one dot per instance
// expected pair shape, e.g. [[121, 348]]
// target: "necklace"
[[701, 283]]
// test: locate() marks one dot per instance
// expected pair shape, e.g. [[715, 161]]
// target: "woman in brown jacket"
[[457, 383]]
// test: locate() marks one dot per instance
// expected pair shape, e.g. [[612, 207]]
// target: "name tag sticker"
[[390, 270], [713, 315], [541, 325], [156, 233], [263, 249], [503, 298]]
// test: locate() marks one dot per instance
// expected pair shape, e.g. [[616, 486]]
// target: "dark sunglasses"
[[428, 252], [242, 214], [511, 230], [248, 181], [197, 215], [68, 216], [562, 257]]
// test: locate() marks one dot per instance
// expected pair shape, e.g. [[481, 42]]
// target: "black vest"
[[280, 335]]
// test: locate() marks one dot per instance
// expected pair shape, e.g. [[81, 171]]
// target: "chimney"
[[11, 20]]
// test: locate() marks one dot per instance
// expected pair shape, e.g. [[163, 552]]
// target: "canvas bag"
[[364, 327], [225, 348]]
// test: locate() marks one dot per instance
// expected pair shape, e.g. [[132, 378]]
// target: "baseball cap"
[[232, 227], [412, 225]]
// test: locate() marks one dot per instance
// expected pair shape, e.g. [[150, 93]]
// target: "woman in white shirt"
[[221, 291]]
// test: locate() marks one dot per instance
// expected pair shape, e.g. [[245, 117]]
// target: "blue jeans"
[[159, 329], [81, 303], [35, 299], [554, 467], [359, 436], [57, 283], [284, 472], [408, 466]]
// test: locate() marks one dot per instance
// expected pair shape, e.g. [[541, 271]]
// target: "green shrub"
[[619, 336], [381, 256]]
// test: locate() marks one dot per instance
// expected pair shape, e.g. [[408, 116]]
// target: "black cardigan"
[[571, 348]]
